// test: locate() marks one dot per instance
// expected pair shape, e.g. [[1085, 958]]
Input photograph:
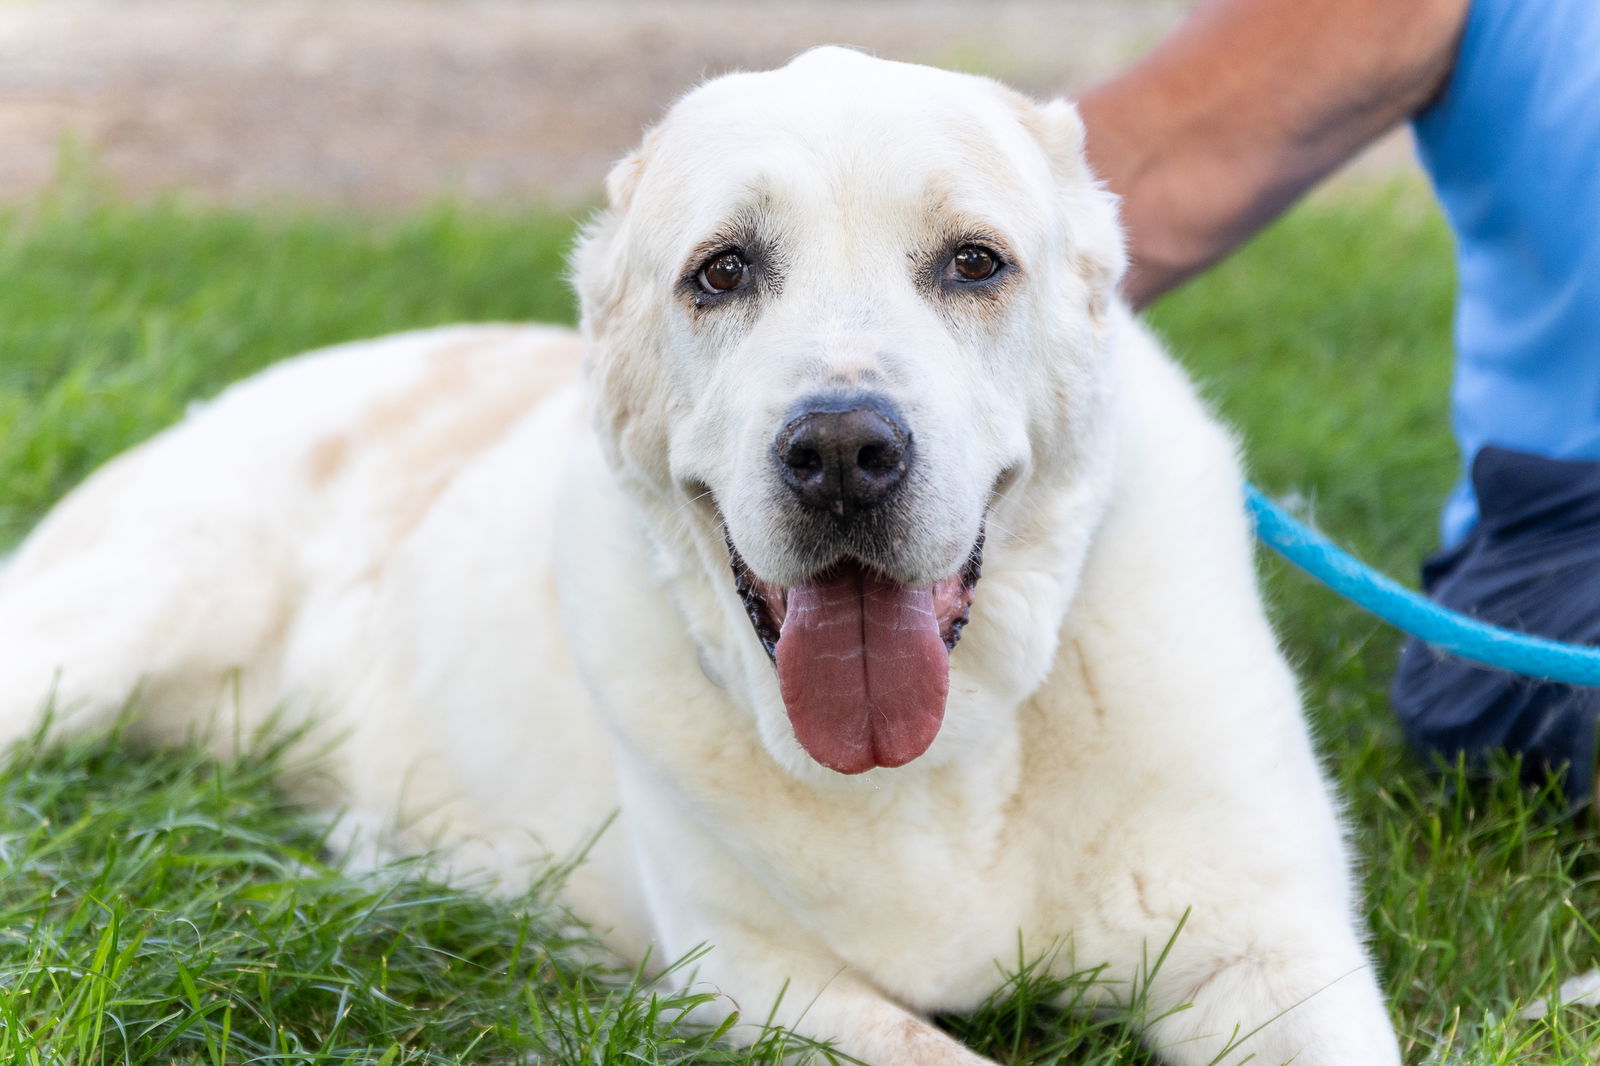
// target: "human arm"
[[1246, 106]]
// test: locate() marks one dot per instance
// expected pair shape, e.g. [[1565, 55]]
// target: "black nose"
[[844, 461]]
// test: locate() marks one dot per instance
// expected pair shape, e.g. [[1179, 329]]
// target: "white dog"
[[850, 335]]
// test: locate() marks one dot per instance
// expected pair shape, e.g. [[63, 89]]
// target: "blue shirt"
[[1513, 149]]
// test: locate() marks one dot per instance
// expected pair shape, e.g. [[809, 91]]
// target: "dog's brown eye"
[[724, 272], [974, 262]]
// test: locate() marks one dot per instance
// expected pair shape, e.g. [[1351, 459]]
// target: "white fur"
[[505, 596]]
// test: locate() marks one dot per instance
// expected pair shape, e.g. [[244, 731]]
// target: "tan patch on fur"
[[1142, 895], [1098, 307], [1248, 959], [422, 437], [326, 458], [1099, 277], [1090, 690]]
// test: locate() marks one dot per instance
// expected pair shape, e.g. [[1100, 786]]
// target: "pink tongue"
[[863, 670]]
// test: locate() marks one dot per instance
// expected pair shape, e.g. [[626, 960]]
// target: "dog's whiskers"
[[690, 502], [992, 525]]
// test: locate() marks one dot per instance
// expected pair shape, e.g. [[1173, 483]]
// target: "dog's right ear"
[[593, 266], [623, 179], [618, 317]]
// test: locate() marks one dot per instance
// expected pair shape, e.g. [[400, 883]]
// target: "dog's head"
[[842, 318]]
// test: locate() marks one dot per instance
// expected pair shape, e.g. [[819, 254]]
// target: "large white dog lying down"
[[850, 335]]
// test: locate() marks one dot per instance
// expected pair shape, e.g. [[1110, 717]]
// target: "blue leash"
[[1457, 634]]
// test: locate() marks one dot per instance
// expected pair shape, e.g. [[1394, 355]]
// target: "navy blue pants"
[[1531, 564]]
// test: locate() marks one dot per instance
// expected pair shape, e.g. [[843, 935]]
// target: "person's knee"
[[1450, 708]]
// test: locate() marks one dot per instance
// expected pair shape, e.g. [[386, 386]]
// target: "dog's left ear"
[[1098, 251]]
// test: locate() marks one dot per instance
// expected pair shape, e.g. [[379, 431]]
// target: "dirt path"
[[387, 103]]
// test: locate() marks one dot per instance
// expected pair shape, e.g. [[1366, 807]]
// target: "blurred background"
[[396, 103]]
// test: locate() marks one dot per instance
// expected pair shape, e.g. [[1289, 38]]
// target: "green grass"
[[162, 907]]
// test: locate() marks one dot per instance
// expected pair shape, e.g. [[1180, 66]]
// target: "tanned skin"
[[1247, 105]]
